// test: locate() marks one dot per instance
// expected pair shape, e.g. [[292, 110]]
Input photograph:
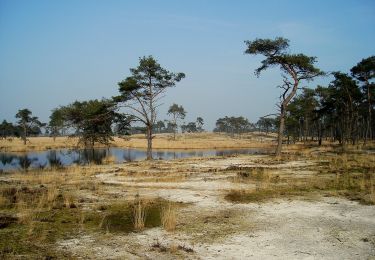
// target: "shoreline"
[[205, 141]]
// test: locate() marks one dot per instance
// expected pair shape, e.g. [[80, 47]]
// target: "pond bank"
[[161, 141]]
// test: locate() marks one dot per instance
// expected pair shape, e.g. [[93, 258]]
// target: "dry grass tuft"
[[168, 217], [139, 214], [4, 202], [52, 194], [69, 200]]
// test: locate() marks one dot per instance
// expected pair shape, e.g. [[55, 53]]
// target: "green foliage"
[[141, 92], [92, 120], [7, 129], [266, 124], [148, 81], [177, 112], [24, 116], [122, 124], [190, 127], [193, 127], [294, 68], [159, 127], [341, 102], [56, 123], [200, 123], [365, 69], [28, 123], [299, 66], [233, 125], [340, 111]]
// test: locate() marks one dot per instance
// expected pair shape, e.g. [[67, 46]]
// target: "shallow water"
[[66, 157]]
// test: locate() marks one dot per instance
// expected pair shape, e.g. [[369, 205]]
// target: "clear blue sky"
[[55, 52]]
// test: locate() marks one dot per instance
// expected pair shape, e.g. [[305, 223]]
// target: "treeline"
[[239, 125], [168, 126], [341, 112], [233, 125], [8, 129], [27, 125], [93, 121]]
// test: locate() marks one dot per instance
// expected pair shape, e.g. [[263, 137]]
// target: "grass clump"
[[168, 217], [139, 215], [132, 216]]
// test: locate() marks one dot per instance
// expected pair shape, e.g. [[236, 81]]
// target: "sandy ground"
[[209, 227]]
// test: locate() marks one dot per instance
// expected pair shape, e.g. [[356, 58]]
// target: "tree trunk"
[[369, 125], [320, 133], [281, 131], [175, 127], [149, 143], [24, 134]]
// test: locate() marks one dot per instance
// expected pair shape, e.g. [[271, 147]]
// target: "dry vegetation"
[[161, 141], [168, 217], [191, 208], [351, 176]]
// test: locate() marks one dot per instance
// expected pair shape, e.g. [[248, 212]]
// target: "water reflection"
[[94, 156], [7, 158], [24, 162], [54, 160], [128, 156], [65, 157], [159, 155]]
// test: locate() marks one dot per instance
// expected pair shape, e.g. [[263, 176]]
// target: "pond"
[[66, 157]]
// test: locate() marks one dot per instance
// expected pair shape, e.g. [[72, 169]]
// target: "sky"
[[55, 52]]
